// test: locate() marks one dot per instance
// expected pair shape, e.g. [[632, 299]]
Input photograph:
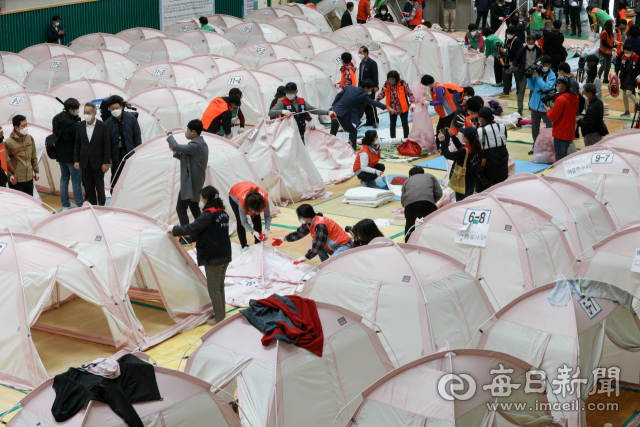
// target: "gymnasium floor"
[[59, 352]]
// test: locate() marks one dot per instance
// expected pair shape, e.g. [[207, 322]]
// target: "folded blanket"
[[368, 197]]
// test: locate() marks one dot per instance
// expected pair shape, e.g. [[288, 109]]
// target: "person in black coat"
[[553, 45], [55, 33], [592, 124], [92, 154], [466, 155], [368, 70], [211, 232], [528, 54], [125, 134], [497, 14], [481, 7], [346, 16], [65, 125], [383, 14], [512, 46]]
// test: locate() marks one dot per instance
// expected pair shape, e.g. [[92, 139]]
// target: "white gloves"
[[286, 113], [638, 79], [257, 235], [229, 136], [240, 131], [266, 233], [235, 121], [300, 260]]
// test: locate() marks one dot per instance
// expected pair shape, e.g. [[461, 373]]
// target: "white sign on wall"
[[248, 6], [177, 10]]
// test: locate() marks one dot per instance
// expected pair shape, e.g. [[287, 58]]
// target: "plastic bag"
[[543, 151], [422, 127], [410, 148]]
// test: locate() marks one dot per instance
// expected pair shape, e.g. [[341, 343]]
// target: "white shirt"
[[496, 136], [90, 129], [58, 29]]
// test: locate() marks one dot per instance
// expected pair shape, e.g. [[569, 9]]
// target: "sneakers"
[[530, 152], [212, 322], [625, 114]]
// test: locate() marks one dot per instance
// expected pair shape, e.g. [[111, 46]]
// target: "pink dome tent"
[[224, 22], [623, 140], [212, 65], [19, 212], [391, 57], [185, 401], [312, 15], [202, 42], [150, 125], [39, 108], [614, 177], [267, 14], [159, 49], [394, 30], [276, 152], [15, 66], [565, 324], [333, 157], [57, 70], [437, 54], [411, 293], [38, 52], [133, 35], [116, 67], [355, 34], [334, 9], [257, 54], [182, 26], [253, 32], [329, 60], [295, 25], [175, 107], [85, 90], [101, 41], [9, 85], [153, 166], [287, 383], [578, 210], [409, 396], [172, 74], [524, 234], [308, 45], [257, 89]]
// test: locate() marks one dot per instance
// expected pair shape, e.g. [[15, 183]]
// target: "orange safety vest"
[[418, 18], [3, 158], [450, 87], [337, 236], [402, 96], [216, 107], [362, 11], [353, 77], [609, 41], [448, 100], [618, 39], [240, 191], [374, 157], [467, 120], [311, 5]]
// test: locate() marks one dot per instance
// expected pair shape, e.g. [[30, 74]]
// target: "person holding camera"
[[592, 124], [512, 46], [420, 193], [628, 69], [65, 126], [363, 232], [467, 109], [542, 80], [494, 157], [125, 134], [524, 60], [562, 115], [553, 45], [462, 179]]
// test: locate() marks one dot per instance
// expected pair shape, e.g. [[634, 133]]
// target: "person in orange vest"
[[399, 97], [348, 76], [443, 102], [415, 17], [467, 109], [606, 50], [367, 166], [291, 104], [364, 11], [329, 239], [247, 198], [217, 116], [620, 35]]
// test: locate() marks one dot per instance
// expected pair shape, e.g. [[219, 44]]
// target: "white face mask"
[[116, 113], [87, 117], [383, 12], [56, 24], [628, 55], [302, 221], [510, 36], [24, 131], [473, 33], [361, 56], [531, 46], [545, 69], [585, 97], [291, 96], [368, 92]]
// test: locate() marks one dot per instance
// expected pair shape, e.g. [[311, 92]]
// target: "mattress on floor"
[[368, 197]]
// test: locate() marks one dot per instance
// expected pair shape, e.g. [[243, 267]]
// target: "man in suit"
[[92, 153], [55, 33], [368, 71]]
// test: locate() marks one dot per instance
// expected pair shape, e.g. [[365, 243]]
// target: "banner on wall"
[[177, 10]]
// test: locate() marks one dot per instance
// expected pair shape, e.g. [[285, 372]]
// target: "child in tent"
[[473, 38], [367, 166], [211, 232], [399, 97], [465, 159]]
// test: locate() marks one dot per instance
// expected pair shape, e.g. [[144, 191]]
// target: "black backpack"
[[51, 141]]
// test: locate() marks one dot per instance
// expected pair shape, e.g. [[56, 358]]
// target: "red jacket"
[[563, 116]]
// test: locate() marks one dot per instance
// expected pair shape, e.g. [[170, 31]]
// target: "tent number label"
[[253, 133], [406, 279], [590, 306], [342, 321], [16, 101], [577, 166], [635, 266], [418, 38], [158, 72], [337, 60], [507, 228], [597, 158], [235, 80], [333, 2], [98, 238], [2, 246], [247, 28], [56, 64], [476, 216], [260, 50], [266, 11], [625, 170], [185, 28]]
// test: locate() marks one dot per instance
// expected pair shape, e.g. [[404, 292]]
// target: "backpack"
[[51, 141], [495, 107]]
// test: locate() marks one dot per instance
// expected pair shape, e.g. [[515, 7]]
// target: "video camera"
[[536, 66], [105, 113], [548, 95]]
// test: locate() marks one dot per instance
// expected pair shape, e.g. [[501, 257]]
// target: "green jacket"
[[234, 114], [599, 18], [490, 45], [207, 28]]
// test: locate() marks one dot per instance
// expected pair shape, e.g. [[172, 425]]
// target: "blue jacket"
[[351, 102], [635, 42], [370, 71], [537, 85], [130, 133]]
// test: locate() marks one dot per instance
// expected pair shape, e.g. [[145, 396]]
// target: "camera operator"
[[512, 46], [553, 45], [562, 114], [524, 60], [494, 154], [542, 80], [125, 134], [592, 124]]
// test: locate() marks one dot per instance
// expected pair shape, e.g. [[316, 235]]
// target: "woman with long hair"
[[211, 234], [364, 231], [606, 50], [464, 159]]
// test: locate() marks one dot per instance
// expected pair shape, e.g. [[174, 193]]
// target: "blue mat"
[[383, 185], [440, 163]]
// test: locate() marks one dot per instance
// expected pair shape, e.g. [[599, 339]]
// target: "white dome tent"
[[333, 157], [101, 41], [38, 52], [394, 30], [355, 34], [9, 85], [57, 70], [203, 42], [182, 26], [116, 67], [85, 90], [39, 108], [334, 9], [212, 65], [253, 32], [308, 45], [294, 25], [133, 35], [224, 22], [175, 107], [267, 14], [150, 125], [257, 54], [172, 74], [391, 57], [19, 212], [15, 66], [159, 49], [311, 14], [330, 60]]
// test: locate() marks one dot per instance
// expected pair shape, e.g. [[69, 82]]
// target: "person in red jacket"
[[563, 116]]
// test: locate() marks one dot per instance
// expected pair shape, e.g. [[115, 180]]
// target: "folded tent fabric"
[[291, 319]]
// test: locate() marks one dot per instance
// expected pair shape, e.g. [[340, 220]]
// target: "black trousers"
[[360, 21], [414, 211], [94, 185], [482, 16], [242, 233], [370, 112], [493, 178], [497, 69], [574, 13], [181, 210], [507, 80], [25, 187], [347, 126], [443, 122], [404, 118], [368, 176]]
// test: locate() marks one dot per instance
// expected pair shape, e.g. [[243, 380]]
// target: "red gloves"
[[36, 176], [263, 237], [300, 260], [13, 180], [333, 115], [277, 241]]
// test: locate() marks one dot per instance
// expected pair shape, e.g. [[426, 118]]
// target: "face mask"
[[77, 113], [383, 12], [392, 82], [186, 135], [531, 46], [368, 92], [116, 113], [539, 6], [473, 33], [376, 144], [509, 36], [466, 98], [24, 131], [291, 96], [628, 55], [586, 98], [558, 88], [87, 117], [545, 69], [302, 221], [361, 56], [56, 24]]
